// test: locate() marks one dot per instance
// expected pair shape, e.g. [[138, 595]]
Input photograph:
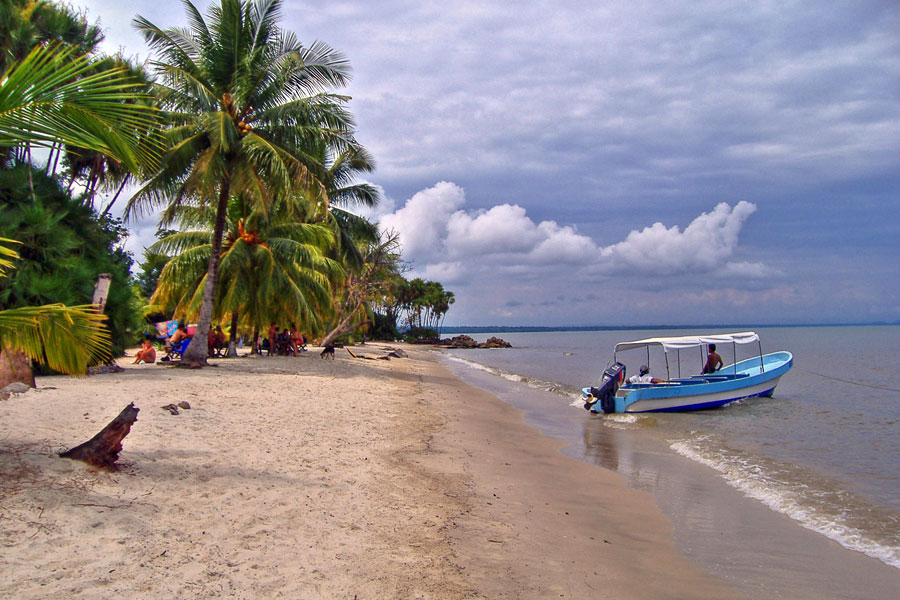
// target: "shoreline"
[[316, 478], [757, 550]]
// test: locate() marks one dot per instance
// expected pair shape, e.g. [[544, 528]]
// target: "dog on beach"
[[328, 351]]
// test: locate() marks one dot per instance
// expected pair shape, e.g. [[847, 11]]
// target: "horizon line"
[[514, 328]]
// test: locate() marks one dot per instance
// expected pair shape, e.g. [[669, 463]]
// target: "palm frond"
[[66, 338], [9, 254], [52, 96]]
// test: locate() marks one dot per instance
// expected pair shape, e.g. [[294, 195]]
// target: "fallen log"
[[394, 353], [103, 449]]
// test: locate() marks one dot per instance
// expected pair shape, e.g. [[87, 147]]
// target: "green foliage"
[[150, 268], [426, 303], [249, 114], [418, 335], [384, 328], [53, 96], [273, 267], [64, 247]]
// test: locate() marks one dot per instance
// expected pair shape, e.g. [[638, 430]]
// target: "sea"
[[824, 451]]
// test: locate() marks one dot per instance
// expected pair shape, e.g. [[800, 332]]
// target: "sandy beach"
[[311, 478]]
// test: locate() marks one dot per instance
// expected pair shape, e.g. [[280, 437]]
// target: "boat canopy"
[[690, 341]]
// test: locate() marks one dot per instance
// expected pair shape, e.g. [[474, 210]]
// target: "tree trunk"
[[195, 355], [343, 327], [15, 366], [101, 291], [232, 340], [116, 197], [103, 449], [30, 181], [254, 349]]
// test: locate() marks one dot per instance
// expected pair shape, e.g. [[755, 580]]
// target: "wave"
[[539, 384], [811, 500]]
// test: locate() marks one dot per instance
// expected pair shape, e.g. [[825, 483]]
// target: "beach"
[[311, 478]]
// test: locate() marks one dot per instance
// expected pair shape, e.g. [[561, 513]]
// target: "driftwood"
[[103, 449], [394, 353]]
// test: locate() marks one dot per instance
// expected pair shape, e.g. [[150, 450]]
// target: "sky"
[[622, 162]]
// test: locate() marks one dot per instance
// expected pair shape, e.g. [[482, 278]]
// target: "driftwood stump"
[[103, 449]]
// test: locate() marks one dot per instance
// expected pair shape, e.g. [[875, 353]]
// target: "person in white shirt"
[[644, 376]]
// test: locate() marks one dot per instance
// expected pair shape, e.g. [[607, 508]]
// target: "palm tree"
[[273, 265], [364, 285], [246, 102], [29, 23]]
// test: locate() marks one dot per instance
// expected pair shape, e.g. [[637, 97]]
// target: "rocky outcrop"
[[495, 342], [464, 341]]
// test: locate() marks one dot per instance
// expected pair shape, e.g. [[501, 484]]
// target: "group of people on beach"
[[713, 364], [287, 342], [216, 343]]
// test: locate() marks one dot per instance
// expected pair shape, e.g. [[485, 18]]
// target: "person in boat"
[[644, 376], [713, 361]]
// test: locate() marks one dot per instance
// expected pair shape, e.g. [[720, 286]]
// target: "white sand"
[[310, 478]]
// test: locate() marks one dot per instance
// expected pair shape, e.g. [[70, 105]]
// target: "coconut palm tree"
[[29, 23], [352, 307], [273, 266], [245, 102]]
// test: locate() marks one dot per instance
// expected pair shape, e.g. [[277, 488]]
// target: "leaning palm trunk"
[[345, 326], [195, 355]]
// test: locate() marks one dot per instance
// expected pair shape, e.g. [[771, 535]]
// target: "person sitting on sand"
[[713, 361], [147, 353], [284, 342], [644, 377], [273, 338], [176, 338], [297, 340], [216, 340]]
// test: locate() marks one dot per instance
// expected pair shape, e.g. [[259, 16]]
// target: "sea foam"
[[813, 506]]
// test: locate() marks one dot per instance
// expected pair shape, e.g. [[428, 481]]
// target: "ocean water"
[[824, 451]]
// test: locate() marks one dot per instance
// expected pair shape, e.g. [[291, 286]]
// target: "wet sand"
[[310, 478], [761, 553]]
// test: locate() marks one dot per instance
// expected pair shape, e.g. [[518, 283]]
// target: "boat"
[[752, 377]]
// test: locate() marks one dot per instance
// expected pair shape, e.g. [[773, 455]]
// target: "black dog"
[[328, 351]]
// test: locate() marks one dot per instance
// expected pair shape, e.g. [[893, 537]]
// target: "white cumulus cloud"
[[702, 246], [445, 241]]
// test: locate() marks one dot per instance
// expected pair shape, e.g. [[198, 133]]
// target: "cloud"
[[446, 241], [566, 124], [421, 223], [703, 246]]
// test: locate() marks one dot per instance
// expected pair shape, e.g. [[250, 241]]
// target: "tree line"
[[236, 134]]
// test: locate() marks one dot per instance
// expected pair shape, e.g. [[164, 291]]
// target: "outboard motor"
[[610, 381]]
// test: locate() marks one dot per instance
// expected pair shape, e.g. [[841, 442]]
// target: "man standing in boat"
[[713, 361]]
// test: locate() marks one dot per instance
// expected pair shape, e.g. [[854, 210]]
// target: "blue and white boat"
[[747, 378]]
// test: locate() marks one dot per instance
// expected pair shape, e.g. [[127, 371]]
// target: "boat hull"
[[750, 378], [700, 401]]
